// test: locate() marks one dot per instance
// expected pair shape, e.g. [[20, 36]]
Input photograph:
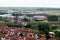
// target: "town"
[[29, 23]]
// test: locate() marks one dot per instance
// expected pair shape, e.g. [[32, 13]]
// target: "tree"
[[44, 27], [25, 19], [57, 33], [28, 26], [35, 27], [1, 18], [54, 27]]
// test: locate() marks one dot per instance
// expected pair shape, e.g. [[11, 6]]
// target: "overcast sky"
[[30, 3]]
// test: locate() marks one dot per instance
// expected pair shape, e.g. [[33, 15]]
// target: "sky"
[[30, 3]]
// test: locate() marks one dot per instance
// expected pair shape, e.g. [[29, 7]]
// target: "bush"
[[57, 33]]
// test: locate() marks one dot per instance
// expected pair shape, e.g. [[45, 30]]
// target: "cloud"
[[29, 3]]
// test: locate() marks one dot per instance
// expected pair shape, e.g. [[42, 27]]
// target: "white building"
[[41, 18]]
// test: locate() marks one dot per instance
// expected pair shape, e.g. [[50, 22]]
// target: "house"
[[40, 18]]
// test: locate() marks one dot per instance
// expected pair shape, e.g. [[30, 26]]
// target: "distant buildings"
[[21, 18], [18, 16], [14, 16]]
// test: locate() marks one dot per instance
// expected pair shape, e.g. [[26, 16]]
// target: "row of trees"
[[41, 26], [52, 17]]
